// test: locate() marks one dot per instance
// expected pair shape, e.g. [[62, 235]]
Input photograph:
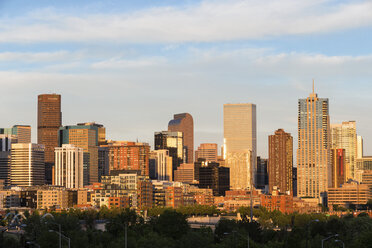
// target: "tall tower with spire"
[[313, 155]]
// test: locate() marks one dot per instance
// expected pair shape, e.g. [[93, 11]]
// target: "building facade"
[[184, 123], [185, 173], [173, 142], [207, 151], [163, 169], [86, 137], [212, 176], [240, 142], [27, 166], [69, 166], [129, 156], [313, 154], [344, 136], [338, 167], [280, 163], [49, 120]]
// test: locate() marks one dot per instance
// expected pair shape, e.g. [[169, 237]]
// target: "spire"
[[313, 94]]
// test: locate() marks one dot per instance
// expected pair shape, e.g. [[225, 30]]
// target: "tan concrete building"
[[241, 169], [349, 193], [280, 162], [184, 123], [207, 151], [52, 198], [240, 141], [313, 154], [27, 166], [185, 173], [343, 136]]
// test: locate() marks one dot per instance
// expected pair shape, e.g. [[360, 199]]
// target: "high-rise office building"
[[262, 178], [100, 129], [86, 137], [6, 141], [241, 169], [129, 156], [338, 167], [22, 133], [173, 142], [163, 168], [359, 147], [184, 123], [313, 154], [280, 163], [240, 141], [343, 136], [212, 176], [68, 167], [49, 120], [207, 151], [27, 167], [103, 162]]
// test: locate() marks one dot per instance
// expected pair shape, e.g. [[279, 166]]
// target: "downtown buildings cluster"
[[76, 166]]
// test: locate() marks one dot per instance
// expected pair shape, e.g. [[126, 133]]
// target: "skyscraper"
[[173, 142], [359, 147], [27, 167], [101, 131], [49, 120], [207, 151], [343, 136], [23, 133], [163, 165], [6, 141], [338, 167], [280, 163], [239, 121], [69, 166], [86, 137], [184, 123], [313, 154]]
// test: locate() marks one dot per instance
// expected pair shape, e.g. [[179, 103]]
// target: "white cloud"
[[204, 22]]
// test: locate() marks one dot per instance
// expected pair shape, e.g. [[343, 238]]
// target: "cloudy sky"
[[131, 65]]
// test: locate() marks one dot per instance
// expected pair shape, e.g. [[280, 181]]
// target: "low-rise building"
[[350, 193]]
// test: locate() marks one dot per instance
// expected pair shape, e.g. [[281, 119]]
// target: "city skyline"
[[268, 63]]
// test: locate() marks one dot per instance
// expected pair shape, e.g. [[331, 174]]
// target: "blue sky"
[[131, 65]]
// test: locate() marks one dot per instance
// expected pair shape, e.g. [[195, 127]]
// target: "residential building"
[[173, 197], [280, 163], [128, 156], [184, 123], [343, 136], [69, 165], [313, 154], [207, 151], [278, 202], [49, 120], [27, 166], [240, 141]]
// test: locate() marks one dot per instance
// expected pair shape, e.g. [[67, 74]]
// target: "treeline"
[[167, 228]]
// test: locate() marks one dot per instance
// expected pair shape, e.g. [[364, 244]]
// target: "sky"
[[131, 65]]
